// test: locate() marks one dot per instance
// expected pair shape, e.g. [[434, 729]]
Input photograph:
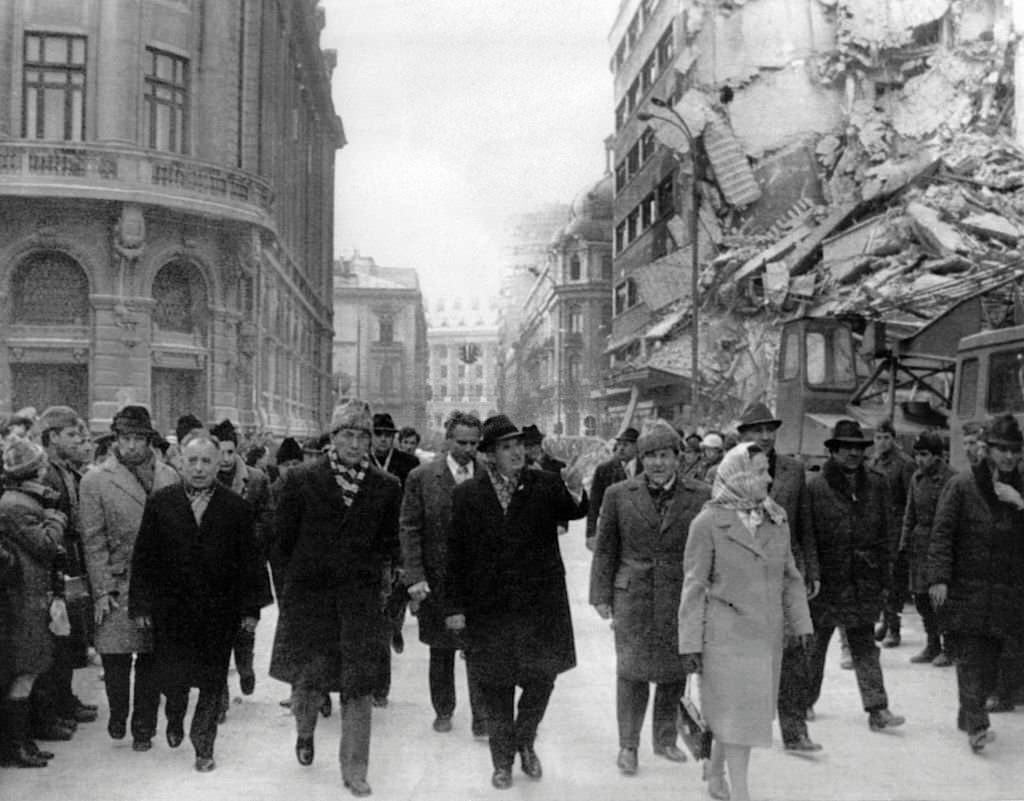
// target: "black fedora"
[[1003, 431], [847, 432], [629, 435], [383, 424], [495, 429], [758, 414], [532, 435]]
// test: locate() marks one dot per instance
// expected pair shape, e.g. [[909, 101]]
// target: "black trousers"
[[512, 729], [1011, 670], [442, 689], [794, 693], [52, 697], [897, 594], [203, 731], [929, 618], [977, 671], [631, 705], [865, 664], [382, 675], [243, 647], [117, 677]]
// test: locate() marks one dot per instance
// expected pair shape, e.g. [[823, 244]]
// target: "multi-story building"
[[553, 360], [462, 372], [380, 338], [166, 186]]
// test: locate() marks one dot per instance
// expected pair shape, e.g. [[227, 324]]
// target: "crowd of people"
[[717, 560]]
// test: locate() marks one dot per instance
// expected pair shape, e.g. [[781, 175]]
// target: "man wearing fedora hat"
[[789, 490], [850, 510], [623, 464], [506, 589], [975, 570]]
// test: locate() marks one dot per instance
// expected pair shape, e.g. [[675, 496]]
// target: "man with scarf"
[[337, 528], [506, 589], [850, 510], [112, 498], [975, 570], [253, 485]]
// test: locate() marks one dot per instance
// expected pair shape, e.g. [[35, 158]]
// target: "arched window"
[[180, 294], [575, 268], [50, 288]]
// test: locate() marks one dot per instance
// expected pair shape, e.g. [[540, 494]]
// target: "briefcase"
[[693, 730]]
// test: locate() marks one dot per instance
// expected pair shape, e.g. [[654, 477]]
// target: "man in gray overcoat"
[[423, 529], [636, 577], [337, 527], [111, 500]]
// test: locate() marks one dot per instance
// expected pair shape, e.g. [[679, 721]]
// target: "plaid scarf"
[[199, 499], [348, 478], [504, 487]]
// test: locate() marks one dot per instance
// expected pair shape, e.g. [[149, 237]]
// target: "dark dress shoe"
[[117, 729], [68, 723], [502, 778], [32, 748], [627, 761], [358, 787], [18, 756], [141, 745], [479, 729], [248, 683], [443, 723], [802, 744], [175, 734], [205, 764], [85, 714], [304, 751], [530, 762], [54, 732], [80, 704], [671, 752]]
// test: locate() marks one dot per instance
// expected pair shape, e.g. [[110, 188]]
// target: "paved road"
[[926, 759]]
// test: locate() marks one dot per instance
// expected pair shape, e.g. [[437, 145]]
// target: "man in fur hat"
[[337, 528]]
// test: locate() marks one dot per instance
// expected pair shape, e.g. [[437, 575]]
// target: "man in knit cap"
[[337, 527]]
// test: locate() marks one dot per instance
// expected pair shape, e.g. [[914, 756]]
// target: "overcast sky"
[[459, 113]]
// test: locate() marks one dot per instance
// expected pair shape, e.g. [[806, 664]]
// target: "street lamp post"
[[680, 124]]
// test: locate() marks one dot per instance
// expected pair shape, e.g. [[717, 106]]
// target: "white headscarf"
[[734, 488]]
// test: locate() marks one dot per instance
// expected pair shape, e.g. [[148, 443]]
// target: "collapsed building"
[[851, 158]]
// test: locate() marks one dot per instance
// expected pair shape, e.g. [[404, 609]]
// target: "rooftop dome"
[[591, 214]]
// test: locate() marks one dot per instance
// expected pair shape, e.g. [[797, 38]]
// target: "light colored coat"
[[110, 504], [741, 595]]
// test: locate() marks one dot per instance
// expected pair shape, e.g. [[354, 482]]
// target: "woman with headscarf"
[[742, 597]]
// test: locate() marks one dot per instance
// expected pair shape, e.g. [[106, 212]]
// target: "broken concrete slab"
[[876, 236], [992, 225], [937, 236]]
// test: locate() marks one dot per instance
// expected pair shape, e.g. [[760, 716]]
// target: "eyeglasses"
[[465, 443]]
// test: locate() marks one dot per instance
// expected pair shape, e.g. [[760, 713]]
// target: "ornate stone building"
[[166, 186], [380, 340]]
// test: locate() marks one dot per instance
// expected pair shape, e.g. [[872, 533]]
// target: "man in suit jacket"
[[623, 464], [637, 577], [423, 529], [506, 588], [789, 490], [337, 529], [196, 577]]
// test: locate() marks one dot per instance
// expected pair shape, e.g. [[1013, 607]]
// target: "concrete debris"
[[941, 238]]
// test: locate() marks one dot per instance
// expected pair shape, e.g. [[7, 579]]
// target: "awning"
[[647, 378]]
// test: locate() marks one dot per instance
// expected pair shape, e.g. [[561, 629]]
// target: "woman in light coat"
[[742, 596]]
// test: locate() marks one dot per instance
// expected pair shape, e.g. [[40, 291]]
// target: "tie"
[[462, 474]]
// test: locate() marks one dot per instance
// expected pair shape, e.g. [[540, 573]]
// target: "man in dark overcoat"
[[196, 577], [850, 514], [506, 588], [337, 529], [926, 485], [624, 464], [789, 490], [976, 570], [423, 529], [636, 577]]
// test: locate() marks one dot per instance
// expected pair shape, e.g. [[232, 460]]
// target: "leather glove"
[[693, 663]]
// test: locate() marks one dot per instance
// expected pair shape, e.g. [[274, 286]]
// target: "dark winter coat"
[[977, 551], [789, 490], [10, 578], [925, 488], [111, 502], [898, 469], [605, 474], [33, 533], [197, 582], [253, 485], [328, 632], [851, 529], [399, 464], [637, 569], [505, 574], [423, 528]]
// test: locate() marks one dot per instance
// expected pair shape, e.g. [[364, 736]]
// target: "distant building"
[[380, 338], [166, 187], [462, 373]]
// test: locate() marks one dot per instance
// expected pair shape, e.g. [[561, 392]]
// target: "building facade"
[[380, 338], [463, 368], [553, 349], [166, 185]]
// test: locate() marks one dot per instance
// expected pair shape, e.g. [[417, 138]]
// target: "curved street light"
[[680, 124]]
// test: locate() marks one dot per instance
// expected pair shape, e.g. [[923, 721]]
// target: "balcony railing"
[[97, 169]]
